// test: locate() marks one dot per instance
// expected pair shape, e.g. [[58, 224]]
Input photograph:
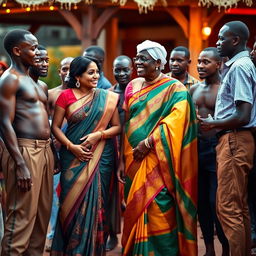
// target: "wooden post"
[[112, 48], [87, 27], [195, 41]]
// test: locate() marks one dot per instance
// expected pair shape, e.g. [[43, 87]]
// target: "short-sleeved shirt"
[[238, 84]]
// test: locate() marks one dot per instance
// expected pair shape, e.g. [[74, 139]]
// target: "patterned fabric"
[[190, 80], [85, 185], [161, 190]]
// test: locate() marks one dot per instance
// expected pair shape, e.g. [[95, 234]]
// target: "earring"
[[157, 68], [77, 84]]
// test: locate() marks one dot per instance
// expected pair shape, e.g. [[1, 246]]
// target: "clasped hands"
[[84, 151]]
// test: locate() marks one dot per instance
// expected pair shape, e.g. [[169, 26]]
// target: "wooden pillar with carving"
[[195, 40]]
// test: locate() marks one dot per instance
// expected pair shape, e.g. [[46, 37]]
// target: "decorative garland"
[[224, 3], [144, 5]]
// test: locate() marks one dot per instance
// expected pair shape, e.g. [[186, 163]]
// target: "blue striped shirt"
[[238, 84]]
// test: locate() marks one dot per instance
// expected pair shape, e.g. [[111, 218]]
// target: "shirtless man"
[[55, 92], [53, 95], [41, 69], [204, 95], [27, 159]]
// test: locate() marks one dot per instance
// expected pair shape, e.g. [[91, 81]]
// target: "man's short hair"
[[215, 52], [238, 28], [13, 38], [96, 49], [182, 49]]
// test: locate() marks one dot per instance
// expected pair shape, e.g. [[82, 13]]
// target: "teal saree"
[[80, 228]]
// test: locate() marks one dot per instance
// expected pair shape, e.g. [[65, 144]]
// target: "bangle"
[[68, 145], [147, 143]]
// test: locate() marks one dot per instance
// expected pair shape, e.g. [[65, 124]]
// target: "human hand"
[[91, 139], [140, 151], [23, 177], [120, 173], [82, 153], [206, 124]]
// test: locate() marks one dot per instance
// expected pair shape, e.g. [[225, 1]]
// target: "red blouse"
[[66, 98]]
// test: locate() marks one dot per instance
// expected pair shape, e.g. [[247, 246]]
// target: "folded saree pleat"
[[161, 191], [80, 225]]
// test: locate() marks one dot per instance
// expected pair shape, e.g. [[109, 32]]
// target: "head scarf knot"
[[155, 50]]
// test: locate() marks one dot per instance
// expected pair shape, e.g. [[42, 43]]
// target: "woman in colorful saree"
[[160, 152], [86, 159]]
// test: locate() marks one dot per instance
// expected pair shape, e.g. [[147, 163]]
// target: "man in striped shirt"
[[235, 115]]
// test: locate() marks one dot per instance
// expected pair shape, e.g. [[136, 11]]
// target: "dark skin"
[[55, 92], [204, 94], [253, 54], [95, 55], [22, 107], [178, 64], [40, 70], [122, 70], [149, 69], [229, 45]]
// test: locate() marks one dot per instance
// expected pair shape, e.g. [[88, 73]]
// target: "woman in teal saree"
[[86, 159]]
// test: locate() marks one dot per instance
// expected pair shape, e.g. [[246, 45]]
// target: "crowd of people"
[[163, 150]]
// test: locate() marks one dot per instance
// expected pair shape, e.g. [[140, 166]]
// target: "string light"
[[51, 8], [28, 9], [4, 4], [8, 10], [206, 31]]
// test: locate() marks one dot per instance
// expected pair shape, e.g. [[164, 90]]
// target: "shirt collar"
[[236, 57]]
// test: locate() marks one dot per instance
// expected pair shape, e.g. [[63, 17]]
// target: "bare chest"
[[29, 91]]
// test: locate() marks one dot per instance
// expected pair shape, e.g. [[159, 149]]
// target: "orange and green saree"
[[161, 190], [80, 228]]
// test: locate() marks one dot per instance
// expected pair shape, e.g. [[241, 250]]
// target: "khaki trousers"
[[28, 213], [235, 153]]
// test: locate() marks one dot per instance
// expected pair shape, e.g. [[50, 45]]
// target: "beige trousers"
[[235, 153], [28, 213]]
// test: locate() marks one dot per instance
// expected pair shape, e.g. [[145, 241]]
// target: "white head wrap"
[[155, 50]]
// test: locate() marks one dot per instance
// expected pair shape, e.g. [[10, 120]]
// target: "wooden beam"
[[214, 17], [73, 21], [180, 18], [102, 20]]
